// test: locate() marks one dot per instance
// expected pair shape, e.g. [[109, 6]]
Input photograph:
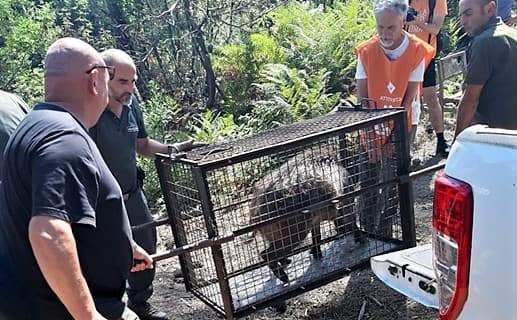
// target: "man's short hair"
[[115, 56], [398, 6], [485, 2]]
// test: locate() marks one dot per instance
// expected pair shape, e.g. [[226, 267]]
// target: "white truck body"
[[485, 159]]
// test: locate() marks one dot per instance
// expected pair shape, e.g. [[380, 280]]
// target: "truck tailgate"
[[409, 272]]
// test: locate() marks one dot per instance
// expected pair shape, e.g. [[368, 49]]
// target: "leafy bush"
[[238, 65], [304, 95], [315, 39], [267, 114], [161, 114], [29, 85], [213, 127], [26, 30]]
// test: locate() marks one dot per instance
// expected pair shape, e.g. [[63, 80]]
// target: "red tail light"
[[452, 238]]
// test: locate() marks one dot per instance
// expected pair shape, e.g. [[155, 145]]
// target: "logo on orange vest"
[[390, 99], [391, 87]]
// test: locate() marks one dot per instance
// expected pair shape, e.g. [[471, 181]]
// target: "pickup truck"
[[470, 269]]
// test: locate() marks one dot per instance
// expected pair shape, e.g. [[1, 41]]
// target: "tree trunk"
[[124, 41], [198, 42]]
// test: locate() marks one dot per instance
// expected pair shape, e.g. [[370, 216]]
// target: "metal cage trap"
[[265, 218]]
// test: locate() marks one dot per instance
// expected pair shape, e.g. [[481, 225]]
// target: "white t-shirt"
[[416, 76]]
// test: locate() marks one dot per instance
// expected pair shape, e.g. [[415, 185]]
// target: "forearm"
[[432, 28], [410, 96], [407, 103], [466, 112], [153, 147], [362, 92], [55, 250], [467, 107]]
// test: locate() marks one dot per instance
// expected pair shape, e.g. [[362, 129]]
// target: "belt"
[[128, 195]]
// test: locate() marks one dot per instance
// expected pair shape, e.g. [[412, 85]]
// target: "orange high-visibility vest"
[[387, 82]]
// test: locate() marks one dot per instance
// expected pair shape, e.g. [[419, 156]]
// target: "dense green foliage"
[[26, 30], [209, 70]]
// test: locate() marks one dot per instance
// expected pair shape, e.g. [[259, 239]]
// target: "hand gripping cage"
[[265, 218]]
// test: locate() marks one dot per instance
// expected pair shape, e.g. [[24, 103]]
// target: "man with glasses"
[[65, 242]]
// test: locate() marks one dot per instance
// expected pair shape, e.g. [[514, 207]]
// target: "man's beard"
[[387, 44], [125, 98]]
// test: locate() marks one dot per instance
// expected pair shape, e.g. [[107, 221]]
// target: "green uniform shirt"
[[12, 111], [116, 139], [492, 62]]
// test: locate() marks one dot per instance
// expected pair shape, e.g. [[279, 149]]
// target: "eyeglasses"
[[110, 69]]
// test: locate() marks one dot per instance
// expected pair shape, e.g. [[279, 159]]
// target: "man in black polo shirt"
[[491, 82], [65, 242], [120, 134]]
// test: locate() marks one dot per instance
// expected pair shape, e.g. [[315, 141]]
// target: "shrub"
[[161, 114], [26, 30], [213, 127], [238, 65], [304, 95], [314, 39]]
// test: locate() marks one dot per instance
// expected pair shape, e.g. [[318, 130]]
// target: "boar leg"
[[276, 260], [316, 242]]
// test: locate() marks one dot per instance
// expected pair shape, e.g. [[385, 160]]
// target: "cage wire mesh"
[[303, 203], [423, 148], [451, 71]]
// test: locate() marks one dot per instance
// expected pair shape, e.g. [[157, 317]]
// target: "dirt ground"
[[342, 299]]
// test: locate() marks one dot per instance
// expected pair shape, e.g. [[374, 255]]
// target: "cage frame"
[[199, 170]]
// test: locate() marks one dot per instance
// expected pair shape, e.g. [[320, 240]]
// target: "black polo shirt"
[[53, 168], [492, 62], [116, 139]]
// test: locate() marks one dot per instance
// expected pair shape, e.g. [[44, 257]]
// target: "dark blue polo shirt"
[[504, 9], [53, 168], [116, 139]]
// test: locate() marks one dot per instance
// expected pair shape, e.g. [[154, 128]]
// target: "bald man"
[[120, 135], [65, 243], [490, 95]]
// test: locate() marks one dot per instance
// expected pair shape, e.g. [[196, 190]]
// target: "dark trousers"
[[129, 315], [140, 284]]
